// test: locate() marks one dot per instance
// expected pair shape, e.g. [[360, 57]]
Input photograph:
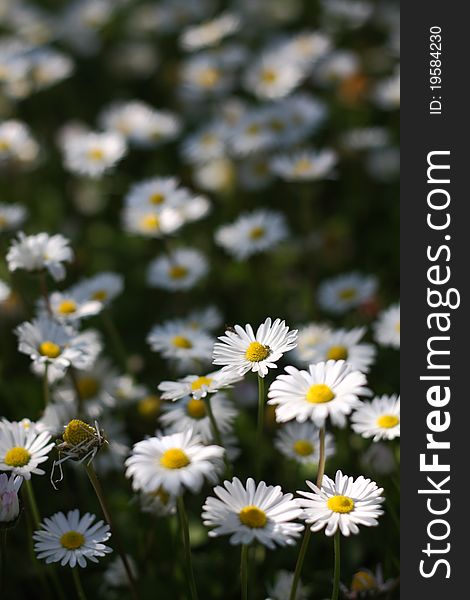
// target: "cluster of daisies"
[[260, 110]]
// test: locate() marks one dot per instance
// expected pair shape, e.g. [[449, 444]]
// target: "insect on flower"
[[80, 442]]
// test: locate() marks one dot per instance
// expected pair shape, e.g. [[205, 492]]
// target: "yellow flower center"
[[257, 352], [100, 295], [95, 154], [149, 406], [363, 581], [88, 387], [199, 382], [319, 393], [67, 307], [72, 540], [341, 504], [253, 129], [268, 76], [303, 447], [302, 166], [347, 294], [157, 198], [196, 408], [77, 431], [150, 223], [177, 272], [49, 349], [253, 517], [181, 342], [208, 77], [388, 421], [397, 327], [277, 125], [337, 353], [3, 221], [257, 232], [174, 458], [17, 457], [208, 139], [4, 145]]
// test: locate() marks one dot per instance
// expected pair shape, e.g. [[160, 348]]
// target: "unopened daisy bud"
[[9, 503]]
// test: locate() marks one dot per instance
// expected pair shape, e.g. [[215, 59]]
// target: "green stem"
[[33, 507], [244, 572], [260, 425], [187, 547], [337, 542], [217, 435], [107, 515], [78, 584], [45, 385], [116, 340], [308, 533]]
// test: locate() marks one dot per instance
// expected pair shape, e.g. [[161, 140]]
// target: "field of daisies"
[[199, 299]]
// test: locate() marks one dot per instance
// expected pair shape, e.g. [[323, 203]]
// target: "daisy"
[[156, 192], [5, 291], [252, 513], [71, 305], [273, 76], [251, 135], [252, 233], [191, 414], [307, 47], [209, 33], [387, 92], [344, 344], [281, 588], [365, 582], [92, 154], [158, 503], [206, 319], [342, 503], [12, 216], [309, 338], [342, 293], [241, 350], [48, 342], [22, 449], [300, 441], [48, 67], [38, 252], [16, 143], [181, 269], [207, 144], [9, 503], [197, 386], [305, 165], [216, 175], [151, 222], [176, 340], [336, 66], [102, 287], [71, 539], [204, 76], [378, 419], [254, 173], [327, 389], [387, 327], [173, 462]]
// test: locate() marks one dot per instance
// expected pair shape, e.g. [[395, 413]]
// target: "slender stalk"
[[187, 547], [33, 507], [107, 515], [78, 584], [308, 533], [260, 426], [45, 385], [217, 435], [116, 340], [337, 543], [244, 572]]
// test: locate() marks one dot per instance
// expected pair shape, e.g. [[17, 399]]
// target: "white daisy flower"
[[102, 287], [203, 76], [251, 135], [364, 582], [327, 389], [252, 233], [378, 419], [305, 165], [342, 503], [205, 319], [261, 513], [309, 338], [176, 340], [191, 413], [273, 76], [307, 47], [22, 449], [173, 462], [38, 252], [71, 305], [151, 222], [206, 144], [344, 344], [5, 291], [9, 503], [387, 92], [158, 503], [92, 154], [16, 143], [197, 386], [387, 327], [336, 66], [71, 539], [282, 586], [216, 175], [254, 173], [12, 216], [344, 292], [182, 269], [300, 441], [48, 67], [209, 33], [156, 192], [242, 350], [353, 13]]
